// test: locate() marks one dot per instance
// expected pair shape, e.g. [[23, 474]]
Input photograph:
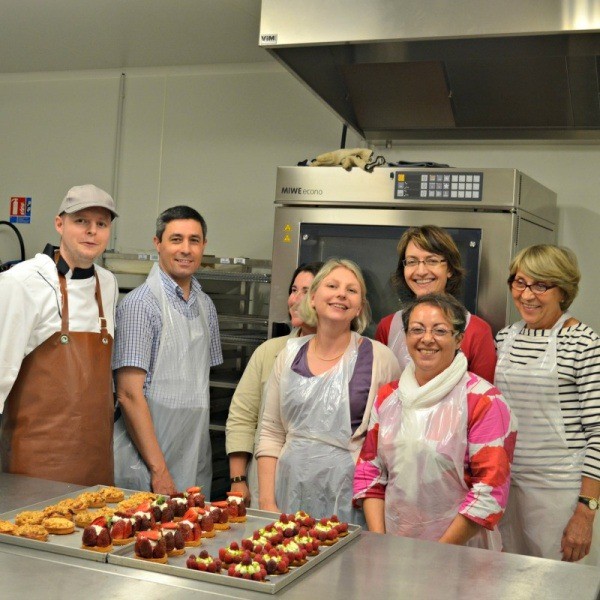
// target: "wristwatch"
[[591, 503], [238, 479]]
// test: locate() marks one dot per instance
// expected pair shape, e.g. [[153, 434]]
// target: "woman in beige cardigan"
[[241, 430], [319, 398]]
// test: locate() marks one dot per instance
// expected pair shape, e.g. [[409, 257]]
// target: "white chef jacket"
[[29, 303]]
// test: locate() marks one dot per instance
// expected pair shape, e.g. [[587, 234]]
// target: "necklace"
[[325, 359]]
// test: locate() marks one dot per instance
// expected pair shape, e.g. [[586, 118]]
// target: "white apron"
[[397, 339], [546, 474], [178, 399], [315, 469], [423, 445], [252, 468]]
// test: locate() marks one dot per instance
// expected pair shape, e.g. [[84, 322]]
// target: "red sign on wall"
[[20, 209]]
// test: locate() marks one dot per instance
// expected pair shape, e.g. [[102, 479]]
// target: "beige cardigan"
[[245, 407], [272, 432]]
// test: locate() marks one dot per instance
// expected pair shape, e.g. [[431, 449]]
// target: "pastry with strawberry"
[[179, 504], [143, 517], [207, 525], [173, 538], [219, 512], [161, 510], [189, 528], [236, 507], [204, 562], [121, 529], [151, 546], [248, 568], [195, 497], [96, 536]]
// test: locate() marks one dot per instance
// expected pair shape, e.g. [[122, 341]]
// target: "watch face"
[[593, 504]]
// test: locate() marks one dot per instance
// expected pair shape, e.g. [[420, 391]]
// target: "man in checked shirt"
[[167, 338]]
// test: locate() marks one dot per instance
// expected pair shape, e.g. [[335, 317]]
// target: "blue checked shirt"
[[138, 324]]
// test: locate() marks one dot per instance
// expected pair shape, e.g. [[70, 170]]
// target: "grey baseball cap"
[[87, 196]]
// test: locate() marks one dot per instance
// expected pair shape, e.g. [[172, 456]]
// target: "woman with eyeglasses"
[[549, 371], [435, 464], [429, 262]]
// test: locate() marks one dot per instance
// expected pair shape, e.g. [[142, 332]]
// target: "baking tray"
[[124, 555], [70, 544]]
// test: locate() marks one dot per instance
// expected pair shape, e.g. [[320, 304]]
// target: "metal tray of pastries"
[[70, 506], [256, 519]]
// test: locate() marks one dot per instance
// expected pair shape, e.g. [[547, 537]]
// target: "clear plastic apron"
[[252, 468], [423, 447], [546, 474], [315, 469], [178, 399], [397, 339]]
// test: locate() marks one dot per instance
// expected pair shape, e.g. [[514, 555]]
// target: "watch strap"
[[238, 479], [591, 503]]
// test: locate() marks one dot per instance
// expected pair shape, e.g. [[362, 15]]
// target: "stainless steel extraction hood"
[[435, 69]]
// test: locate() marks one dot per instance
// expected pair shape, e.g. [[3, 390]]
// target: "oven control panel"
[[424, 185]]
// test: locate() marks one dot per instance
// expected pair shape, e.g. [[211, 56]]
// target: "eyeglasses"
[[537, 287], [436, 332], [430, 261]]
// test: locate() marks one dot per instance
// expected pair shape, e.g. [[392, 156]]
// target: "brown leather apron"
[[58, 418]]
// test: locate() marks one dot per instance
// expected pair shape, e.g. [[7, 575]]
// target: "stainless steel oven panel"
[[501, 189], [497, 248]]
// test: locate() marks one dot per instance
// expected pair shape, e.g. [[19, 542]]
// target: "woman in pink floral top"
[[435, 464]]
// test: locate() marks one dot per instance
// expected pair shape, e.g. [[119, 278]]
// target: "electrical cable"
[[19, 236]]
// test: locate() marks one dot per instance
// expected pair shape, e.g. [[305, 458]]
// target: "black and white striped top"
[[578, 357]]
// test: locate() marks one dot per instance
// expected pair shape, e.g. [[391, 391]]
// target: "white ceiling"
[[61, 35]]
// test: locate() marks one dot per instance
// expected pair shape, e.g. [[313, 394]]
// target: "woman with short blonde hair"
[[319, 399], [549, 371]]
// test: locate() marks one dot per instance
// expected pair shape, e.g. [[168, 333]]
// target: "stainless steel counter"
[[373, 567]]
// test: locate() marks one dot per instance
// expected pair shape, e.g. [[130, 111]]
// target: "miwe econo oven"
[[322, 212]]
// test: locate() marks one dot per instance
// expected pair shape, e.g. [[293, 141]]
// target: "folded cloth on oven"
[[346, 158]]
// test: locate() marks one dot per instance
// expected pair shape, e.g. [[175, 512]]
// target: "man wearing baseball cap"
[[56, 337]]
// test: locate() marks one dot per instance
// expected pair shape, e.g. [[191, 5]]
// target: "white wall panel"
[[140, 164], [55, 133], [222, 135]]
